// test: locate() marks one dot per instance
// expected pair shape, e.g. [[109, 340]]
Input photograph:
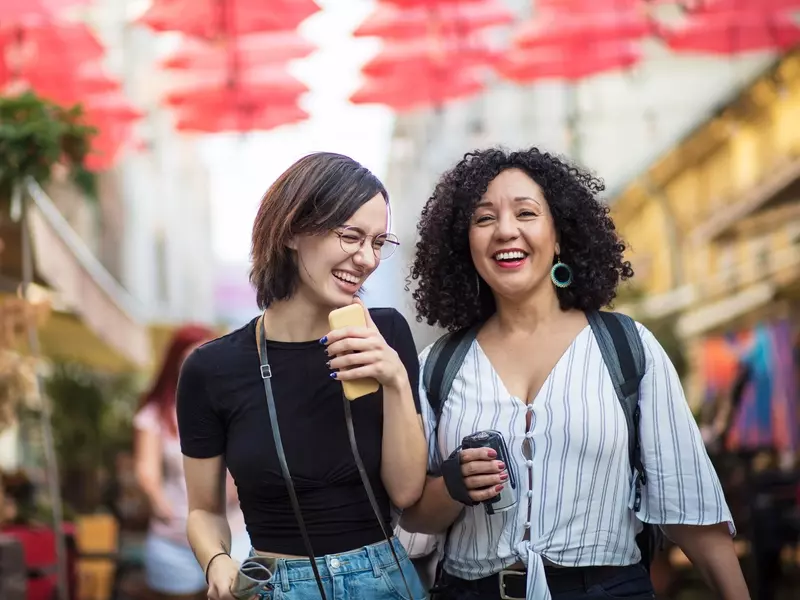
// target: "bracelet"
[[208, 566]]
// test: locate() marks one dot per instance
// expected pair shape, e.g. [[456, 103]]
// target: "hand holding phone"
[[359, 356]]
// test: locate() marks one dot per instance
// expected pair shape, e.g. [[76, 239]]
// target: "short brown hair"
[[316, 194]]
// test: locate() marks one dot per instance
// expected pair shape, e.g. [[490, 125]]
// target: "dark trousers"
[[570, 583]]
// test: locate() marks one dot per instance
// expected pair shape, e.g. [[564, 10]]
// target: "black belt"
[[511, 585]]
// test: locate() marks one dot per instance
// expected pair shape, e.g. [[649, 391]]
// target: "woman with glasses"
[[320, 231]]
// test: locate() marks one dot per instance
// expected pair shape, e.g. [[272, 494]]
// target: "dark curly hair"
[[589, 244]]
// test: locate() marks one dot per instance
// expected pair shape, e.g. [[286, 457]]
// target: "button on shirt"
[[575, 486]]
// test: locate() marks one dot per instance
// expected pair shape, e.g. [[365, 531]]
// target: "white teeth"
[[509, 255], [345, 277]]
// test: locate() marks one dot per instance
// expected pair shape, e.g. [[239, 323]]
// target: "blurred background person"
[[170, 566]]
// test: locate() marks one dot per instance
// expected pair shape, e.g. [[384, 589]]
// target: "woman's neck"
[[295, 320], [528, 315]]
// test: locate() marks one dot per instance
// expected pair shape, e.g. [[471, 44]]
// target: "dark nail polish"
[[333, 375], [324, 340]]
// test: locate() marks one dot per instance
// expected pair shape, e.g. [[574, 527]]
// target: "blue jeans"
[[369, 573]]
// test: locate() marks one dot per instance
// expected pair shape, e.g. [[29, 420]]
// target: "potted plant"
[[36, 136]]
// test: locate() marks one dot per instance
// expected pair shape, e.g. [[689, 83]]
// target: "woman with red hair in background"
[[170, 566]]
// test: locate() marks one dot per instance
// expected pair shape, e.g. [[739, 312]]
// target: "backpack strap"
[[443, 363], [623, 354]]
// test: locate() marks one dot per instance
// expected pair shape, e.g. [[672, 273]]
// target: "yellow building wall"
[[711, 171]]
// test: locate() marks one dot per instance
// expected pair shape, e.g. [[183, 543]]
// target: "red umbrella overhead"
[[23, 10], [36, 40], [405, 93], [766, 6], [585, 28], [526, 66], [457, 18], [230, 119], [268, 85], [213, 19], [423, 56], [215, 98], [732, 32], [247, 51]]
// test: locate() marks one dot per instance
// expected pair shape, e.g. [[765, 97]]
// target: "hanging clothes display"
[[765, 409]]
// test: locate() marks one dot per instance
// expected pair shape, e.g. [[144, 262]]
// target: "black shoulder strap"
[[623, 354], [441, 366]]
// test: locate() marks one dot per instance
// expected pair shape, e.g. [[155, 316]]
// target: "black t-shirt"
[[222, 410]]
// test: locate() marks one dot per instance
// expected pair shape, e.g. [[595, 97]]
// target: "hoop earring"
[[566, 274]]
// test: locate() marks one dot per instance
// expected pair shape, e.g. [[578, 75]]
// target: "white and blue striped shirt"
[[579, 506]]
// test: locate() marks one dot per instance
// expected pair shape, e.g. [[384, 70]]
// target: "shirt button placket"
[[529, 465]]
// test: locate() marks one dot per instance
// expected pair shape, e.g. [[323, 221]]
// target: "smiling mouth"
[[347, 278], [509, 256]]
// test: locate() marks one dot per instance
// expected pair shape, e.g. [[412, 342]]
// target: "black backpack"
[[623, 354]]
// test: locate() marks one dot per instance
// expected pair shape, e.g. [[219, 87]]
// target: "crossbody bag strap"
[[266, 375], [368, 487]]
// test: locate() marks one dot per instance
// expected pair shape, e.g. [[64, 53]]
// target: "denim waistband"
[[375, 557]]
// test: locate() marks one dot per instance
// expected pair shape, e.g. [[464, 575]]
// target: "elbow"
[[407, 498]]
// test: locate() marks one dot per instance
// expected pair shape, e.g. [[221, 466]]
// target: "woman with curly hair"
[[518, 248]]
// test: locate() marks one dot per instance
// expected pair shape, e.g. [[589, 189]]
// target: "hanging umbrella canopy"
[[423, 56], [247, 51], [231, 118], [456, 18], [766, 6], [583, 27], [267, 85], [18, 11], [214, 19], [733, 31], [527, 66], [411, 90]]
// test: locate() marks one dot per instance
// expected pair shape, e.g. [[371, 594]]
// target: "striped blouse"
[[575, 492]]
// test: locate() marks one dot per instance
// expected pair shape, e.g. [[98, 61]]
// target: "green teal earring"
[[561, 274]]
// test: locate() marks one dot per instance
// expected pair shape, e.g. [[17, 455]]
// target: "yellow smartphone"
[[353, 316]]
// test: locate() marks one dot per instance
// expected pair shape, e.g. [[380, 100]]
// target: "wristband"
[[454, 479], [208, 566]]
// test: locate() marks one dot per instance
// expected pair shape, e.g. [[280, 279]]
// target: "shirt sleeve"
[[682, 486], [403, 344], [201, 430], [429, 420]]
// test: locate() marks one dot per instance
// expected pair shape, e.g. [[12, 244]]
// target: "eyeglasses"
[[352, 240]]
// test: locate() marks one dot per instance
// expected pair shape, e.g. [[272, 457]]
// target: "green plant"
[[35, 135], [92, 422]]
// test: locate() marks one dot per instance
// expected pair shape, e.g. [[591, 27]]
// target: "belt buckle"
[[501, 577]]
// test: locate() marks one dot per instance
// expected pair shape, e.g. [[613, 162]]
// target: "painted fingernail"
[[324, 340], [500, 466], [333, 375], [499, 488], [328, 364], [503, 476], [492, 453]]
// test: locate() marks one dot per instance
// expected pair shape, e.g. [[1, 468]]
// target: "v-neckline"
[[546, 381]]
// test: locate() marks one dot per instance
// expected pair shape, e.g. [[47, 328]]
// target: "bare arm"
[[207, 526], [148, 467], [404, 452], [711, 550], [436, 510]]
